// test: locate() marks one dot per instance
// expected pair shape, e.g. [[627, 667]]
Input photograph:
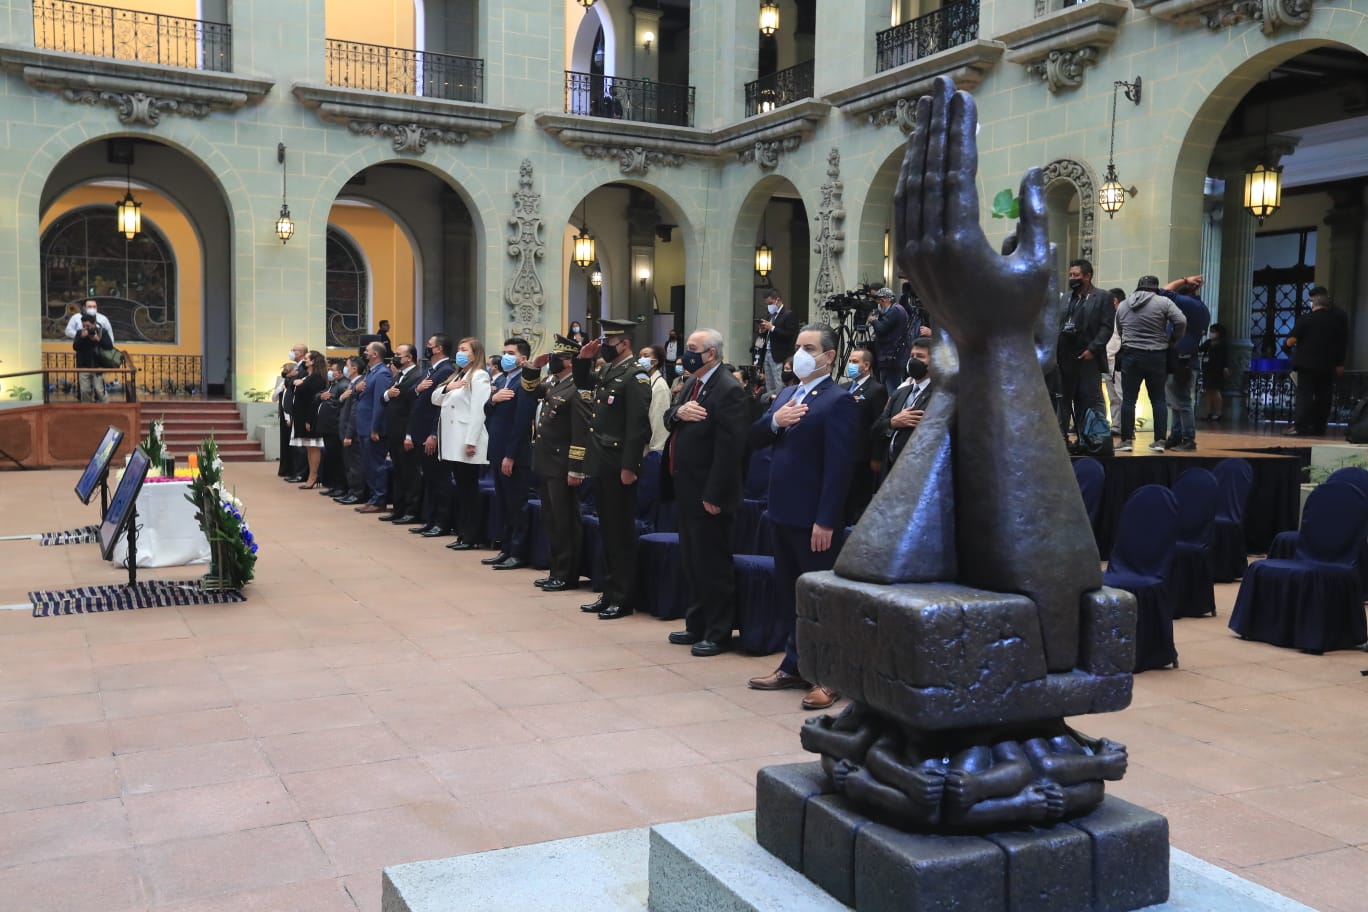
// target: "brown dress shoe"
[[777, 680], [820, 698], [370, 508]]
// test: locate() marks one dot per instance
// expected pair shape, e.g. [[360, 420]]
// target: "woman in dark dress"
[[305, 415], [1215, 371]]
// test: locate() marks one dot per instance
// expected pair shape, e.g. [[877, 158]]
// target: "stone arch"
[[1080, 177], [746, 227]]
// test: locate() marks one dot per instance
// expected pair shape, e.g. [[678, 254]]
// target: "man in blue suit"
[[508, 417], [423, 430], [811, 428], [370, 426], [889, 324]]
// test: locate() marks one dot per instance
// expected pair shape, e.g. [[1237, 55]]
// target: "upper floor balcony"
[[124, 34], [399, 71], [779, 89], [639, 100], [953, 24]]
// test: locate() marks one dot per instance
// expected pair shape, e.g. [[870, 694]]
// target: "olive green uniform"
[[558, 449]]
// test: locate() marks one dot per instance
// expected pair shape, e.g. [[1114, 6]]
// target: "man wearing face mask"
[[329, 427], [1085, 328], [406, 480], [904, 410], [508, 418], [558, 460], [781, 331], [811, 428], [704, 457], [355, 492], [422, 435], [865, 461], [292, 467], [91, 308], [370, 422], [621, 395], [889, 324]]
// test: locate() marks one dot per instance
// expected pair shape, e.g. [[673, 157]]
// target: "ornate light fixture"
[[1263, 183], [647, 39], [129, 210], [764, 254], [596, 276], [769, 18], [1112, 196], [584, 243], [644, 275], [887, 262], [586, 3], [284, 226]]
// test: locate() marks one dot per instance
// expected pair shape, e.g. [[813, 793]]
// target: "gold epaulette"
[[587, 395], [577, 454], [530, 384]]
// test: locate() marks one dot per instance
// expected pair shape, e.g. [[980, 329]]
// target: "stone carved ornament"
[[411, 137], [1078, 174], [830, 241], [900, 114], [137, 107], [1064, 69], [766, 153], [635, 159], [524, 296], [1273, 14]]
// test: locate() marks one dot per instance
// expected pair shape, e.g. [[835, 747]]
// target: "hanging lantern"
[[887, 261], [130, 215], [1263, 191], [586, 3], [596, 276], [1112, 196], [284, 226], [584, 249], [769, 18], [764, 260]]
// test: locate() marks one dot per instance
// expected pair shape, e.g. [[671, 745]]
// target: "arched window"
[[347, 291], [83, 255]]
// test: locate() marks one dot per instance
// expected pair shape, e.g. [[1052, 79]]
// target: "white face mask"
[[346, 370], [644, 363], [90, 311], [331, 376], [804, 364], [772, 308]]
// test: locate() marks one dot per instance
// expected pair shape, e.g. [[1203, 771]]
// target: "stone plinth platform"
[[713, 863]]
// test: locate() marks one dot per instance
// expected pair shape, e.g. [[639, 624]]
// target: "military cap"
[[560, 345], [617, 327]]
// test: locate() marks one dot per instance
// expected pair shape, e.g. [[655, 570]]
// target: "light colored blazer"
[[463, 419], [660, 402]]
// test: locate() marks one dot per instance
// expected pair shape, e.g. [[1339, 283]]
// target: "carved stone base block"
[[1115, 859], [941, 656]]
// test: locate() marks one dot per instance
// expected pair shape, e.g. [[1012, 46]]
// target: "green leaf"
[[1005, 205]]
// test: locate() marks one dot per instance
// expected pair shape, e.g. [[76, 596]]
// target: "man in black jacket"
[[406, 485], [1084, 329], [1319, 342], [781, 332], [870, 394], [423, 432], [90, 340], [904, 410]]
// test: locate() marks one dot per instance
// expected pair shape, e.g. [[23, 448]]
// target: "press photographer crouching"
[[90, 341]]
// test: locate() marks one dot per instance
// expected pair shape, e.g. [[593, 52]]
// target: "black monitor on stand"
[[97, 470], [122, 515]]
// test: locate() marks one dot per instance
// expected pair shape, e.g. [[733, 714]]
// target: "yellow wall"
[[63, 27], [185, 248], [365, 21], [392, 268]]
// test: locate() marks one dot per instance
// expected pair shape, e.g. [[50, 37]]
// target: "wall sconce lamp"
[[647, 39], [1263, 182], [887, 261], [584, 243], [128, 209], [643, 275], [284, 226], [769, 18], [1113, 194], [596, 276]]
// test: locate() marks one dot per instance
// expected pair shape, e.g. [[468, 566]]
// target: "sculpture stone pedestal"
[[1113, 860]]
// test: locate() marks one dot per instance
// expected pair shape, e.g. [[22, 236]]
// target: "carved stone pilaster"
[[524, 294], [634, 159], [1064, 69], [830, 240], [409, 138], [137, 107], [767, 152], [1078, 174]]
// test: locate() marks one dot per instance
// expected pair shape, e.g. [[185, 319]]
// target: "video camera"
[[859, 301]]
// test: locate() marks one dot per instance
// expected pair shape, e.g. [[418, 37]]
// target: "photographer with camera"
[[89, 341], [1082, 351], [781, 332], [889, 325]]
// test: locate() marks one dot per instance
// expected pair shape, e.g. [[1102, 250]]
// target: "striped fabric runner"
[[153, 593]]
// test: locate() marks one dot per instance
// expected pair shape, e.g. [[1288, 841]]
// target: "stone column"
[[1345, 221], [1213, 213], [724, 48]]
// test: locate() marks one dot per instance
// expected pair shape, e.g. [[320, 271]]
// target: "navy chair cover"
[[1193, 574], [591, 553], [757, 616], [1228, 553], [756, 485], [1091, 475], [1313, 602], [648, 492], [1141, 558], [1284, 545], [538, 542], [660, 582]]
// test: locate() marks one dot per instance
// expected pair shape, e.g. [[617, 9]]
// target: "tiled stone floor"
[[379, 699]]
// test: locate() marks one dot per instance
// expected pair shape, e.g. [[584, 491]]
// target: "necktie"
[[693, 397]]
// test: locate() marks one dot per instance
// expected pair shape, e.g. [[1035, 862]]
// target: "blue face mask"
[[692, 361], [462, 359], [853, 371], [508, 362]]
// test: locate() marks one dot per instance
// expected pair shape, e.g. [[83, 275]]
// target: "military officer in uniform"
[[558, 458], [619, 430]]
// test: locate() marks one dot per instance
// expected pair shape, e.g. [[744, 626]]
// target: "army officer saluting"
[[620, 396]]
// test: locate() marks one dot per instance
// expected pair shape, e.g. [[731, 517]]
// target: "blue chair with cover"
[[538, 541], [660, 581], [1141, 558], [1313, 602], [757, 616], [1229, 555], [754, 493], [1192, 577], [1284, 546], [1091, 475]]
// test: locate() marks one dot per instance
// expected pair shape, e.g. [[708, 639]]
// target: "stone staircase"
[[187, 423]]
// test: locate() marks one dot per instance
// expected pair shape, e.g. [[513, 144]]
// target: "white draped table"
[[168, 535]]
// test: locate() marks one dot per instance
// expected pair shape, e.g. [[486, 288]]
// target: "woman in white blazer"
[[463, 440]]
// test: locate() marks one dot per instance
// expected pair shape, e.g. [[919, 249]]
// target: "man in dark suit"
[[508, 417], [865, 461], [558, 460], [811, 428], [352, 448], [422, 434], [780, 329], [370, 421], [405, 480], [618, 434], [889, 324], [291, 457], [704, 455], [900, 417]]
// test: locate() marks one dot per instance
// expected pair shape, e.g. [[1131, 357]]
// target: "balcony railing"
[[400, 71], [122, 34], [143, 377], [953, 24], [629, 99], [778, 89]]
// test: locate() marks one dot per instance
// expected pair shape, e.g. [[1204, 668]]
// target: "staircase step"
[[186, 424]]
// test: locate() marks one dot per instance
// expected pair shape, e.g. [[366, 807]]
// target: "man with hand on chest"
[[870, 394], [558, 460], [508, 416]]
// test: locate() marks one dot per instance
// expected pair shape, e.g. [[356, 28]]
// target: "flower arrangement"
[[220, 515], [154, 444]]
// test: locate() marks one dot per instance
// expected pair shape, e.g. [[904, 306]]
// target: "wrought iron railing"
[[124, 34], [778, 89], [953, 24], [1272, 395], [400, 71], [143, 377], [640, 100]]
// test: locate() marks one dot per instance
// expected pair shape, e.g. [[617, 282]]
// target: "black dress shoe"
[[435, 532], [543, 581], [348, 500], [329, 492], [294, 479], [705, 648], [496, 559], [595, 606], [419, 530], [560, 585], [459, 545], [408, 519], [684, 638], [386, 517], [512, 563], [613, 612]]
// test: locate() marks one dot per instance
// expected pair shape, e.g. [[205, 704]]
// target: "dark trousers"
[[705, 555], [356, 472], [464, 505], [1150, 368], [861, 491], [407, 477], [1080, 389], [617, 525], [374, 457], [331, 471], [1315, 391], [437, 491], [511, 491], [287, 452], [892, 374], [793, 556], [561, 513]]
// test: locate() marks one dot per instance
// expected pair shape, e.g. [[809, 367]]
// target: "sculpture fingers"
[[934, 223], [961, 191], [908, 197], [1033, 230]]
